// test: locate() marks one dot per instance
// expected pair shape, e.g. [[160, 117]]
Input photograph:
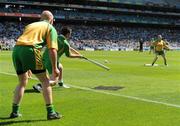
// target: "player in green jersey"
[[63, 48]]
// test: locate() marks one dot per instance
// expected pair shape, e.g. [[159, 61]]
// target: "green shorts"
[[27, 58], [47, 65], [47, 62], [159, 52]]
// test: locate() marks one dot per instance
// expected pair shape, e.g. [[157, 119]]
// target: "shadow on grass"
[[10, 122], [30, 91], [34, 91]]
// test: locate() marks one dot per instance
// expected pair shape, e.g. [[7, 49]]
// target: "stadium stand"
[[97, 37], [96, 25]]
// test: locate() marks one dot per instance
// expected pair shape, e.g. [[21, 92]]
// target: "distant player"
[[63, 48], [141, 42], [160, 46]]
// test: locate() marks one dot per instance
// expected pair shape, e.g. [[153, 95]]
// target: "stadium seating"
[[96, 36], [76, 15], [100, 36]]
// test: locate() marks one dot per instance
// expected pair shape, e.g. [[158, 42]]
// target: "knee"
[[45, 82]]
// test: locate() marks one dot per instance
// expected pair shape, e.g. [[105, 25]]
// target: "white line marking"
[[113, 94]]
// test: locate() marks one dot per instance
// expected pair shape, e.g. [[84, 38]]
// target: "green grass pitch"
[[150, 97]]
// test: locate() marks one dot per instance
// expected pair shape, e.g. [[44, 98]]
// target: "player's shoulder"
[[44, 22], [39, 23], [63, 40], [51, 27], [61, 37]]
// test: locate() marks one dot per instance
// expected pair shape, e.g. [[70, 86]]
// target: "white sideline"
[[113, 94]]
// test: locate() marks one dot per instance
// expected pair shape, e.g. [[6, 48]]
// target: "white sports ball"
[[106, 61]]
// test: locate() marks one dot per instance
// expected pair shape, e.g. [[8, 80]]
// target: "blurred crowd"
[[96, 37]]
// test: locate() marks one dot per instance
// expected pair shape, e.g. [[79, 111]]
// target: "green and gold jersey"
[[159, 45], [38, 34]]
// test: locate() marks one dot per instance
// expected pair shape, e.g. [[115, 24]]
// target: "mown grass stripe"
[[113, 94]]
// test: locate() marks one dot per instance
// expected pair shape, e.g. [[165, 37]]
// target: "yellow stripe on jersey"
[[38, 58], [159, 45]]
